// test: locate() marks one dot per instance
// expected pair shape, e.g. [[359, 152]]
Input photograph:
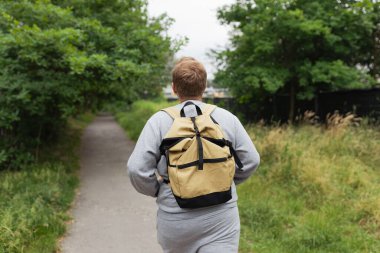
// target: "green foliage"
[[298, 47], [316, 191], [33, 204], [58, 58], [34, 201], [136, 117]]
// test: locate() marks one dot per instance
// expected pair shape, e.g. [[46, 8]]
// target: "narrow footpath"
[[109, 215]]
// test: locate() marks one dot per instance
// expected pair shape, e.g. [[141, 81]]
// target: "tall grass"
[[34, 201], [316, 190]]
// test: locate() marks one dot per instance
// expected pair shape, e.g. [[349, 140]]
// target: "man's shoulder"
[[223, 112], [159, 117]]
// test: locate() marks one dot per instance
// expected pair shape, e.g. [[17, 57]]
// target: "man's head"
[[189, 78]]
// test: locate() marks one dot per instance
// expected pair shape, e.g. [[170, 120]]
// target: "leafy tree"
[[60, 57], [300, 47]]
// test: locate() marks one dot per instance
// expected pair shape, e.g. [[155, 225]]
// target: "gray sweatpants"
[[207, 233]]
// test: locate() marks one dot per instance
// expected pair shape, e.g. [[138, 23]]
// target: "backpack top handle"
[[199, 111]]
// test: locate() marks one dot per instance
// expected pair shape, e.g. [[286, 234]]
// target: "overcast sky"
[[195, 19]]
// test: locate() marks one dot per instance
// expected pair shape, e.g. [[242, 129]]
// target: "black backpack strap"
[[224, 142], [233, 152], [200, 145]]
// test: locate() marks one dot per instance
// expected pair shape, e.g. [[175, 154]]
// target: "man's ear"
[[174, 89]]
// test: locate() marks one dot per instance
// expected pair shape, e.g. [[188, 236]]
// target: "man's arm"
[[142, 163], [247, 153]]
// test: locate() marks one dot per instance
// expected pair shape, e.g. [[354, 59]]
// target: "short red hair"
[[189, 77]]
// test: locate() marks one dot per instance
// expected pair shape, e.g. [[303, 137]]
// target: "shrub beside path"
[[109, 215]]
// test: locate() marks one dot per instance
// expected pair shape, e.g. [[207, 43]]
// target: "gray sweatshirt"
[[146, 159]]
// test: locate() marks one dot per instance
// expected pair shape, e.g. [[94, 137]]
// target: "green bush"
[[34, 201], [60, 58], [33, 204], [135, 118], [297, 48]]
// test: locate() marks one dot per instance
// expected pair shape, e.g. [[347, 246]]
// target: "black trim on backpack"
[[213, 120], [170, 142], [210, 199], [213, 160], [220, 142], [167, 157], [223, 143], [167, 143]]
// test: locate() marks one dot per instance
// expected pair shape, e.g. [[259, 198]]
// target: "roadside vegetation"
[[34, 201], [297, 48], [59, 59], [316, 189], [135, 118]]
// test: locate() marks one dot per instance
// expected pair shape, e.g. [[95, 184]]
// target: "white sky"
[[195, 19]]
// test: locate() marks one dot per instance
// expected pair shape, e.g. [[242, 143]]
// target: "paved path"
[[109, 215]]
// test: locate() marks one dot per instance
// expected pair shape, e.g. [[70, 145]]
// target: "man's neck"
[[185, 99]]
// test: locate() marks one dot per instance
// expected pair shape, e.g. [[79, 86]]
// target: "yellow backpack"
[[201, 162]]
